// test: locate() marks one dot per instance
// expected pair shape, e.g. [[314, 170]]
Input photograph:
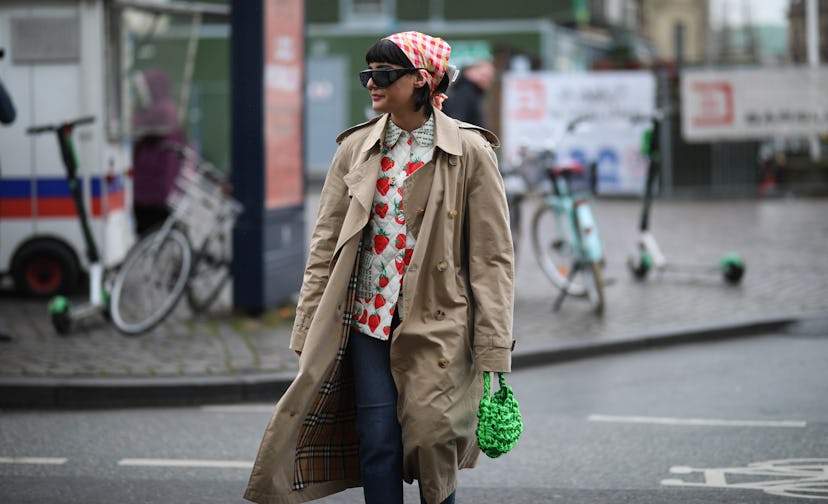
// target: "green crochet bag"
[[499, 422]]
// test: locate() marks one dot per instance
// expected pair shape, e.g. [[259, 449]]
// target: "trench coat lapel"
[[361, 181]]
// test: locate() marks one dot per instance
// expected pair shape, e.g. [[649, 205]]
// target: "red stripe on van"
[[56, 207], [15, 208], [60, 206]]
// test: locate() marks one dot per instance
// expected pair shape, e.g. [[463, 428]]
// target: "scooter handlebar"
[[34, 130]]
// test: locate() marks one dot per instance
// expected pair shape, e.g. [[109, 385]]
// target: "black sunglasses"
[[384, 77]]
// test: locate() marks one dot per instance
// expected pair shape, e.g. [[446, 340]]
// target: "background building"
[[678, 29], [563, 35], [796, 36]]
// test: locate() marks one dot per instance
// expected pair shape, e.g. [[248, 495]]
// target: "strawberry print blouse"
[[387, 246]]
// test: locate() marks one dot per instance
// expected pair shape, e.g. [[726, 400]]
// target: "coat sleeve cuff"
[[494, 359], [300, 329]]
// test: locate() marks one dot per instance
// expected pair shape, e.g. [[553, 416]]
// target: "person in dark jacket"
[[465, 97], [7, 111]]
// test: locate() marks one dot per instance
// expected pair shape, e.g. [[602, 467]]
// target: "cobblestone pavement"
[[783, 242]]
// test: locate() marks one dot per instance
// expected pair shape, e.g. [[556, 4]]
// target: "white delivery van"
[[59, 66]]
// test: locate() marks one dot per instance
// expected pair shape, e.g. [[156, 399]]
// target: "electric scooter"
[[62, 313], [649, 256]]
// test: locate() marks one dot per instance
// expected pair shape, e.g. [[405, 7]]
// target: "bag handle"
[[487, 379]]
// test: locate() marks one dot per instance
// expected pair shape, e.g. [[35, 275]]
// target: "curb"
[[190, 391], [137, 392], [540, 354]]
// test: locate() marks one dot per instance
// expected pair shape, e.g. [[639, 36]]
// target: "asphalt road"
[[740, 421]]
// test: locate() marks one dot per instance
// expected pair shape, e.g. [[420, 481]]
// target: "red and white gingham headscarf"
[[431, 53]]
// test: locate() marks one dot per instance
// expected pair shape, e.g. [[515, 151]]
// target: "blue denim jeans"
[[378, 430]]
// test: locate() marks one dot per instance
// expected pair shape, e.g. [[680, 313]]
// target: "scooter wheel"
[[640, 265], [62, 323], [106, 311], [733, 268], [59, 308]]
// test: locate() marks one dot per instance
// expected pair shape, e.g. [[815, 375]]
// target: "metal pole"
[[812, 32], [665, 142], [437, 12], [812, 39], [189, 67]]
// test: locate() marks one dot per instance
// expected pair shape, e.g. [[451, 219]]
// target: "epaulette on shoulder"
[[488, 135], [345, 134]]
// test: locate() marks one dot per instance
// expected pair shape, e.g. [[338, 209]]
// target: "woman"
[[156, 128], [390, 370]]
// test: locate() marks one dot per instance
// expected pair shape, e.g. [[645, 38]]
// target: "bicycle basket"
[[200, 201]]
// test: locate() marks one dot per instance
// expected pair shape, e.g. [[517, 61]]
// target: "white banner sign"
[[753, 104], [538, 106]]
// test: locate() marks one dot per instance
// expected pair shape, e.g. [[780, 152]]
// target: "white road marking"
[[239, 408], [214, 464], [701, 422], [33, 460], [799, 478]]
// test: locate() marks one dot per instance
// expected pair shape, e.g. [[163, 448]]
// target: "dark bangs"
[[386, 51]]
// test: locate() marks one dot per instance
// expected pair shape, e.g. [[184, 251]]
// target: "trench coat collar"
[[446, 133], [361, 179]]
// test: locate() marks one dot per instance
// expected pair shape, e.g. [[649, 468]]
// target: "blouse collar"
[[424, 135]]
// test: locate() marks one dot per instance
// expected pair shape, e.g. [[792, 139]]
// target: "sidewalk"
[[229, 357]]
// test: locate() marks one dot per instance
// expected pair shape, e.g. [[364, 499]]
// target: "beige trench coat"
[[457, 319]]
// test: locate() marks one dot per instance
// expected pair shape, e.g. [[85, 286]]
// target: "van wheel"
[[45, 268]]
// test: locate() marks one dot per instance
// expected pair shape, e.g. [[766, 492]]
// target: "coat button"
[[443, 363], [452, 213], [439, 315], [453, 161], [421, 211], [442, 266]]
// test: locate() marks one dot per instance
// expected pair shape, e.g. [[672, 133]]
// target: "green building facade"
[[520, 34], [527, 35]]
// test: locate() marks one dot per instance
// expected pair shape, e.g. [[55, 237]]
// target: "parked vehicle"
[[55, 69]]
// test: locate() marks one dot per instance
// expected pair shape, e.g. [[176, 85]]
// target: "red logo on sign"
[[530, 99], [715, 101]]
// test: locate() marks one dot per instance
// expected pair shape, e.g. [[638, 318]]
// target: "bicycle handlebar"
[[34, 130]]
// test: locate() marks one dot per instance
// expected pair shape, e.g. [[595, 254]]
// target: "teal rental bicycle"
[[565, 237]]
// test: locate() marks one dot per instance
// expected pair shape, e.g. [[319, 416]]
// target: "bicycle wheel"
[[552, 244], [150, 282], [211, 271], [594, 282]]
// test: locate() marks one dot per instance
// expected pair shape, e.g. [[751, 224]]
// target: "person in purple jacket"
[[155, 126]]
